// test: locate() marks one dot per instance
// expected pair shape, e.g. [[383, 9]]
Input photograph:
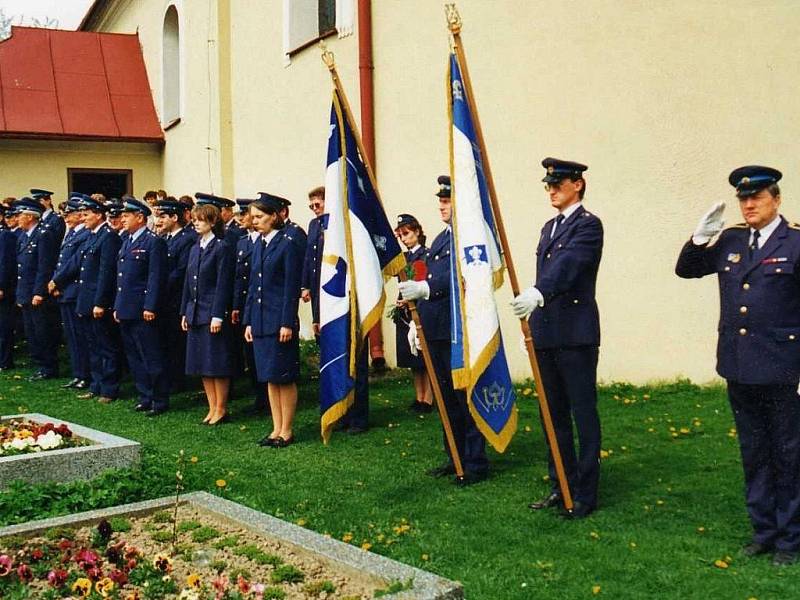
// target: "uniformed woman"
[[410, 233], [270, 316], [206, 304]]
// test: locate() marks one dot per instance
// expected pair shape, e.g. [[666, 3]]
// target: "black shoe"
[[75, 381], [379, 365], [282, 443], [784, 558], [414, 406], [267, 442], [442, 470], [356, 430], [470, 478], [755, 549], [81, 385], [425, 408], [154, 412], [553, 500], [141, 407], [579, 511]]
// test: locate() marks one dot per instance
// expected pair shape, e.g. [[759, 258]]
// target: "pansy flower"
[[162, 563], [57, 577], [193, 581], [104, 587], [24, 573], [82, 586], [6, 563]]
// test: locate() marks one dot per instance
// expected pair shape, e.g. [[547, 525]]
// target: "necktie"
[[754, 243], [559, 220]]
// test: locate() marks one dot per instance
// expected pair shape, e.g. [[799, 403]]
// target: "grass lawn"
[[671, 490]]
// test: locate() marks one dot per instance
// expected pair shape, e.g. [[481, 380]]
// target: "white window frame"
[[297, 36]]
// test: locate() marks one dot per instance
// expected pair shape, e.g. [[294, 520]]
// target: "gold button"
[[575, 301], [778, 270], [742, 309], [791, 336], [548, 255], [743, 331], [746, 286]]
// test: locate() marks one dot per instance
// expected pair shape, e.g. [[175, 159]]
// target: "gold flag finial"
[[453, 18], [327, 57]]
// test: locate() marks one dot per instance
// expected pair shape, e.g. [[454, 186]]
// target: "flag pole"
[[328, 59], [454, 24]]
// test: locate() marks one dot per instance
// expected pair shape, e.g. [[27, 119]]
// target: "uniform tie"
[[754, 243], [559, 220]]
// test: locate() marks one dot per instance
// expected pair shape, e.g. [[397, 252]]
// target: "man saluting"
[[757, 263]]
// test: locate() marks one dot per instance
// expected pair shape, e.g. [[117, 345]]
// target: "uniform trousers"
[[768, 425], [144, 349], [470, 443], [175, 351], [76, 342], [569, 376], [42, 330], [7, 318], [105, 362], [259, 389]]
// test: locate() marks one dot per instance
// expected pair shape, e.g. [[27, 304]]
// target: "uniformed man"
[[433, 304], [50, 219], [566, 329], [8, 284], [312, 262], [114, 216], [97, 287], [141, 281], [758, 266], [64, 288], [171, 225], [35, 263], [244, 252]]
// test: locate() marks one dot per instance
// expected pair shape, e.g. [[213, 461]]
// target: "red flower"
[[64, 544], [6, 564], [131, 564], [420, 270], [94, 573], [118, 577], [243, 584], [57, 578], [24, 573], [37, 554]]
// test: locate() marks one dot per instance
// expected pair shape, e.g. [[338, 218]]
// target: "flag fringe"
[[331, 416]]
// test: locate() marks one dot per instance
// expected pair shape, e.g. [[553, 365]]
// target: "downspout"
[[365, 71]]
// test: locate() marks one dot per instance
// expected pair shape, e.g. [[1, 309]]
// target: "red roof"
[[75, 85]]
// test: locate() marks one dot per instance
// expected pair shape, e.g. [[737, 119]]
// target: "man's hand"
[[248, 334], [285, 334], [51, 287], [413, 340], [305, 295], [216, 325], [315, 328], [524, 304], [98, 312], [235, 317], [184, 324], [37, 300], [116, 318], [2, 294], [710, 225], [414, 290], [148, 315]]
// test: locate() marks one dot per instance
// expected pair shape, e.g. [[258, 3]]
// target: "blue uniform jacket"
[[8, 263], [244, 253], [97, 279], [178, 248], [36, 259], [312, 262], [141, 276], [274, 291], [208, 289], [55, 225], [297, 234], [233, 234], [566, 275], [67, 270], [759, 324], [435, 311]]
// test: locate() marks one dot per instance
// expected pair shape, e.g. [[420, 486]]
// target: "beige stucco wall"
[[27, 163], [661, 100]]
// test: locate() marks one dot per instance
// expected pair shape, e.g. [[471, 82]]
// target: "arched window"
[[171, 69]]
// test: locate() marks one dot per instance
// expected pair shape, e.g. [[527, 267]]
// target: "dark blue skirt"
[[277, 362], [207, 354]]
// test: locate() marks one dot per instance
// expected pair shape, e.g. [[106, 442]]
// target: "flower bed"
[[36, 448], [142, 552], [23, 436]]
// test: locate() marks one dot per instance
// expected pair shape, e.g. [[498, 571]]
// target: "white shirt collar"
[[415, 248], [46, 213], [766, 231], [567, 212], [135, 235], [253, 235], [79, 226], [172, 234], [206, 239], [268, 237], [99, 227]]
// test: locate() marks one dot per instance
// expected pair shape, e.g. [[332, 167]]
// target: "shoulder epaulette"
[[794, 226]]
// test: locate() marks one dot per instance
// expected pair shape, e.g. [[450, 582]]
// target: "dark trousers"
[[103, 342], [7, 318], [470, 443], [569, 376], [768, 424], [145, 352], [76, 342], [175, 351], [259, 389], [358, 415], [43, 333]]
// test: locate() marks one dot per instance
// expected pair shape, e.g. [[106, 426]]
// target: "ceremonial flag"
[[478, 359], [360, 253]]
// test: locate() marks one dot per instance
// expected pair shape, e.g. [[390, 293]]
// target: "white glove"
[[524, 304], [798, 389], [710, 225], [414, 290], [413, 340]]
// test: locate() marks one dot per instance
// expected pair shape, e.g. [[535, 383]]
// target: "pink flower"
[[57, 578], [24, 573], [6, 564], [94, 573], [118, 577], [87, 559]]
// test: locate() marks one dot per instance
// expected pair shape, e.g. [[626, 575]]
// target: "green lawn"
[[670, 506]]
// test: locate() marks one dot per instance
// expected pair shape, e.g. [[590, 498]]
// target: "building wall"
[[26, 163], [661, 100]]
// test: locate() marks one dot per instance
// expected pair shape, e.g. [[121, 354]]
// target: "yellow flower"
[[425, 557], [603, 453], [659, 502], [194, 459], [366, 546], [720, 564], [527, 392], [701, 529], [594, 535], [347, 538], [684, 430], [527, 428], [301, 522], [162, 562], [82, 586], [221, 483], [595, 589], [193, 581], [104, 586]]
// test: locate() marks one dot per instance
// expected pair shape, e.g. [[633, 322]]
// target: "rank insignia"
[[734, 257], [771, 261]]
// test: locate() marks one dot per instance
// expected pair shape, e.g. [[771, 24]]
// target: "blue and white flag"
[[360, 253], [478, 360]]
